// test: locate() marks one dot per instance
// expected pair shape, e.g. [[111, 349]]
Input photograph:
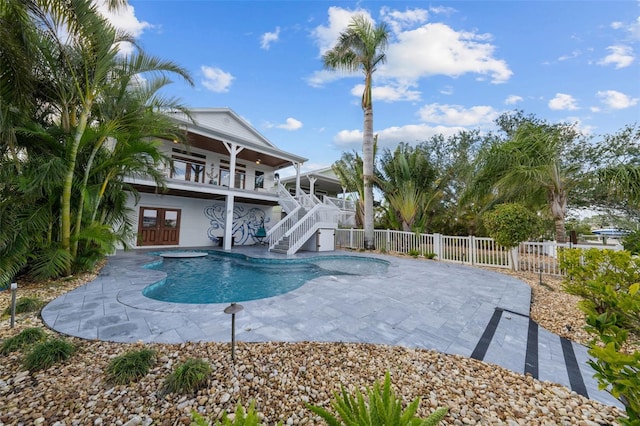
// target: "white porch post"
[[344, 197], [228, 222], [297, 166], [233, 149], [312, 184]]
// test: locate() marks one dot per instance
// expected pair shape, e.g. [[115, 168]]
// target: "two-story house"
[[223, 187]]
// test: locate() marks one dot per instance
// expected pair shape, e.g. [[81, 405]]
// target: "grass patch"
[[45, 354], [188, 377], [26, 337], [130, 367], [26, 304]]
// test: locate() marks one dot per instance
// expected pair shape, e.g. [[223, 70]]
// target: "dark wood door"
[[158, 226]]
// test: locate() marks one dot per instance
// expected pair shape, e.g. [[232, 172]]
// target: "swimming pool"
[[220, 278]]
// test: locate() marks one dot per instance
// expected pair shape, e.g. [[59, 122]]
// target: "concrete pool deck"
[[435, 305]]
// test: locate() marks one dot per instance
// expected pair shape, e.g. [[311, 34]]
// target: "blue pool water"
[[225, 279]]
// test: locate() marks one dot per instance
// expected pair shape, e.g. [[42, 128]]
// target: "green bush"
[[631, 242], [240, 418], [430, 255], [26, 337], [609, 283], [45, 354], [188, 377], [413, 253], [130, 367], [26, 304], [381, 408]]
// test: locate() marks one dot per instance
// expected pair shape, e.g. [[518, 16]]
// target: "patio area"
[[446, 307]]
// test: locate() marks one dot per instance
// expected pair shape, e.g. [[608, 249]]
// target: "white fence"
[[539, 257]]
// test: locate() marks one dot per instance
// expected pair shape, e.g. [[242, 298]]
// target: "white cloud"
[[268, 38], [125, 20], [339, 19], [447, 90], [431, 49], [571, 55], [290, 124], [620, 55], [616, 100], [513, 99], [392, 136], [457, 115], [562, 101], [388, 93], [437, 49], [397, 20], [216, 79]]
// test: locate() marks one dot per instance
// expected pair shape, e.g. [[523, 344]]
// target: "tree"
[[538, 165], [362, 46], [85, 117], [510, 224]]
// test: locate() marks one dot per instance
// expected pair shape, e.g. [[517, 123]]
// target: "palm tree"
[[533, 166], [86, 94], [362, 46]]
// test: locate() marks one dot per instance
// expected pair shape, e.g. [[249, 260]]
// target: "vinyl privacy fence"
[[539, 257]]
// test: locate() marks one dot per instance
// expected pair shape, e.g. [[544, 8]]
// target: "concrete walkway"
[[419, 304]]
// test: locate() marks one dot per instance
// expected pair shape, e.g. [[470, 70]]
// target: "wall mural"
[[246, 221]]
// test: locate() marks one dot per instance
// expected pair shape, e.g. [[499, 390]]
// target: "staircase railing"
[[281, 228], [286, 200], [318, 217]]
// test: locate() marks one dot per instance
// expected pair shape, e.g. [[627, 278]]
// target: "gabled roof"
[[223, 124]]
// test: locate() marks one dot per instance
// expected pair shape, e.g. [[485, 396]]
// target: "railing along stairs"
[[305, 215]]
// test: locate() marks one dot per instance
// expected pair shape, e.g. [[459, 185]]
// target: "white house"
[[222, 188]]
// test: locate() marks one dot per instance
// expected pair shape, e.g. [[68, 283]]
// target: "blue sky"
[[450, 65]]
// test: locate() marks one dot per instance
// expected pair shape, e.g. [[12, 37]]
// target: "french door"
[[158, 226]]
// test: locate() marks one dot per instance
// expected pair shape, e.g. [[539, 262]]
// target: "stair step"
[[277, 250]]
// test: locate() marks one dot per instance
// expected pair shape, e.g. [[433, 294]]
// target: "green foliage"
[[413, 253], [430, 255], [240, 418], [631, 242], [26, 304], [130, 367], [26, 337], [188, 377], [609, 283], [510, 224], [45, 354], [381, 407]]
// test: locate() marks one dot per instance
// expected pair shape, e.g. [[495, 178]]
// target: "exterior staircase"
[[306, 214]]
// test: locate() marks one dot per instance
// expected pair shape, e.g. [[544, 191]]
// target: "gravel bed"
[[283, 377]]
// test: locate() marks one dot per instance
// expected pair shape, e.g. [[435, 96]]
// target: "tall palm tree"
[[362, 46]]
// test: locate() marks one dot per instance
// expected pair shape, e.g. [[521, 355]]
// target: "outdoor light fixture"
[[14, 288], [258, 161], [233, 309]]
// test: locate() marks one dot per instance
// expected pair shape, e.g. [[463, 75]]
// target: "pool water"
[[226, 279]]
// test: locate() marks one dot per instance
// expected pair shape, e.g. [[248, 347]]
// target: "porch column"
[[234, 150], [228, 222], [297, 166], [344, 197], [312, 184]]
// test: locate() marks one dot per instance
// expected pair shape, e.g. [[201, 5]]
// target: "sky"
[[450, 66]]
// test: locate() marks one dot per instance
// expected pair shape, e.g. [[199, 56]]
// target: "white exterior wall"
[[322, 240], [200, 219]]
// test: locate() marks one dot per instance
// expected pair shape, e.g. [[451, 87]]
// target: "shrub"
[[240, 418], [26, 337], [631, 242], [413, 253], [382, 408], [26, 304], [609, 282], [45, 354], [188, 377], [130, 367], [430, 255]]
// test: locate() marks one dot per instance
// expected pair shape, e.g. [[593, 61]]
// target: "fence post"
[[437, 245], [351, 237], [472, 250], [388, 241], [515, 258]]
